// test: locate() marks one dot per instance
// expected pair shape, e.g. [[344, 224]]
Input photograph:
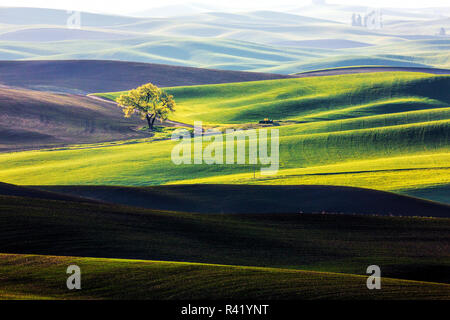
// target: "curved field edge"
[[36, 277], [414, 173]]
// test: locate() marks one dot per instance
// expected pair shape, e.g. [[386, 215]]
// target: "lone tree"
[[149, 101]]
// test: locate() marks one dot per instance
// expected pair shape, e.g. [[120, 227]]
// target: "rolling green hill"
[[312, 99], [30, 119], [386, 131], [148, 163], [104, 279]]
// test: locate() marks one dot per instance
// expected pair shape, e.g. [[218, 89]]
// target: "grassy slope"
[[407, 248], [106, 279], [30, 119], [312, 99], [149, 163], [420, 176], [358, 130]]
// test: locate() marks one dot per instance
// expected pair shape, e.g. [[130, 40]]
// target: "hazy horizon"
[[135, 6]]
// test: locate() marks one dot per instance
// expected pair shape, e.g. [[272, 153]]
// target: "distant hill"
[[324, 44], [59, 34], [315, 37], [43, 16], [368, 69], [175, 10], [348, 61], [88, 76]]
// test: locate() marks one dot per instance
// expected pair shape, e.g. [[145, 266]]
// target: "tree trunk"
[[150, 120], [153, 121]]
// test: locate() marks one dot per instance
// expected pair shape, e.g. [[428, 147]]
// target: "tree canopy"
[[149, 101]]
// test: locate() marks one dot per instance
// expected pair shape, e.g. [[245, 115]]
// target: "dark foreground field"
[[232, 199], [405, 247]]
